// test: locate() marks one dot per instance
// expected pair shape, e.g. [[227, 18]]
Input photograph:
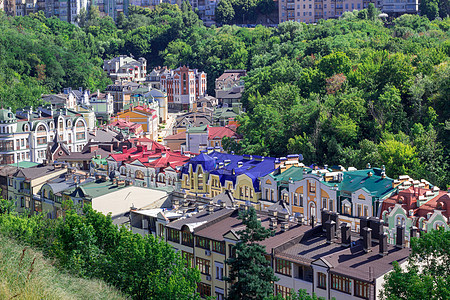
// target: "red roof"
[[164, 159], [408, 199], [220, 132], [178, 136], [144, 109]]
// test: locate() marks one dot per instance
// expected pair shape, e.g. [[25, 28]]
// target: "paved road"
[[169, 125]]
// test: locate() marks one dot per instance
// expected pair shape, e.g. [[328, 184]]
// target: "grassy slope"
[[44, 281]]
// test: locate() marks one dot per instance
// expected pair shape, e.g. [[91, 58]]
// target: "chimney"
[[400, 240], [124, 149], [273, 223], [210, 209], [345, 235], [334, 216], [325, 217], [283, 216], [300, 219], [284, 226], [364, 222], [414, 231], [383, 244], [367, 239], [330, 230], [377, 227]]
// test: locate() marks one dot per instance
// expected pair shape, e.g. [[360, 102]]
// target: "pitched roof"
[[221, 132], [375, 184], [36, 172], [178, 136]]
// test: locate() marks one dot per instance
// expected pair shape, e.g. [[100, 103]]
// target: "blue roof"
[[254, 168], [375, 184]]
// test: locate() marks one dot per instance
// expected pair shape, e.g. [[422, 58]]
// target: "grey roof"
[[36, 172], [234, 93], [103, 136], [202, 217], [7, 170], [224, 197]]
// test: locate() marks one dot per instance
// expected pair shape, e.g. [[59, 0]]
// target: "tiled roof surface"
[[375, 184]]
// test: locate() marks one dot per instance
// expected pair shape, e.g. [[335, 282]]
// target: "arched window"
[[69, 123], [399, 220], [123, 171], [41, 128], [139, 175]]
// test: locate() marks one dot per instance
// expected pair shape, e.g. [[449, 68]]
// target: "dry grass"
[[25, 274]]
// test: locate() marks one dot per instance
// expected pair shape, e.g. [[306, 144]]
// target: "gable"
[[231, 235]]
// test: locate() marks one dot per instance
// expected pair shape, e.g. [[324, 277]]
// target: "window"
[[204, 289], [218, 247], [361, 289], [312, 188], [283, 266], [324, 203], [359, 213], [341, 283], [295, 200], [305, 273], [282, 291], [347, 209], [322, 281], [42, 140], [187, 238], [173, 235], [301, 200], [81, 136], [139, 175], [330, 204], [203, 265], [203, 243], [366, 211], [219, 270], [219, 294], [189, 257], [272, 195]]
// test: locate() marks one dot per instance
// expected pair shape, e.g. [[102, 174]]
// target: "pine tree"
[[251, 275]]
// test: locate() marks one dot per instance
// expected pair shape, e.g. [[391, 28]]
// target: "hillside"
[[25, 274]]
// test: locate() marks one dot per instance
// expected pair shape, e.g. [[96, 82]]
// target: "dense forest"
[[351, 91]]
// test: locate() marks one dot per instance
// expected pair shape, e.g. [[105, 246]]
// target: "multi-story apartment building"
[[24, 135], [112, 8], [327, 260], [65, 10], [183, 87], [153, 78], [102, 105], [124, 68]]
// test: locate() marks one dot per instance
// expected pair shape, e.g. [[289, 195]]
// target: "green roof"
[[375, 184], [24, 164], [198, 129], [6, 116], [98, 188], [296, 173]]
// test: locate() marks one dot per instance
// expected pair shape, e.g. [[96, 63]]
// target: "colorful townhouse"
[[353, 193], [143, 115], [154, 166], [200, 138], [209, 174], [25, 183], [24, 136], [121, 94], [416, 205]]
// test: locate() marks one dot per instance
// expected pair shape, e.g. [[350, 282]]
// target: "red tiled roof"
[[220, 132], [178, 136]]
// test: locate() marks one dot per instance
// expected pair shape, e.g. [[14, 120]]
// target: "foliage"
[[91, 246], [27, 275], [427, 273], [251, 275], [332, 90]]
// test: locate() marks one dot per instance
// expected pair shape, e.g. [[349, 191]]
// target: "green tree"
[[371, 12], [428, 271], [429, 8], [224, 12], [251, 275]]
